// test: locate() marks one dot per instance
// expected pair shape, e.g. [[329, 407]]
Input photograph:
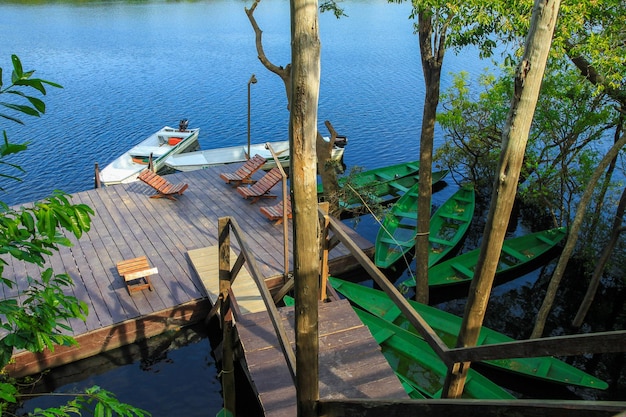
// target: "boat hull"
[[415, 361], [161, 144], [516, 253], [447, 327], [191, 161], [448, 225]]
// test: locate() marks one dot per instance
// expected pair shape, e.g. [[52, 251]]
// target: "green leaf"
[[21, 108], [17, 66], [37, 103], [8, 392]]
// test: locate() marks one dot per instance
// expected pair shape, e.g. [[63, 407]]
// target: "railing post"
[[285, 217], [226, 319], [324, 222]]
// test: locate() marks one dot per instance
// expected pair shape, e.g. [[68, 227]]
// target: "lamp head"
[[252, 80]]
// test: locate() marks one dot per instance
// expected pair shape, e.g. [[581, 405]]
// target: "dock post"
[[97, 177], [226, 319]]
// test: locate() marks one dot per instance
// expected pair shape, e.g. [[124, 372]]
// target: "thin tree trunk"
[[604, 186], [572, 237], [431, 65], [305, 75], [604, 257], [514, 139]]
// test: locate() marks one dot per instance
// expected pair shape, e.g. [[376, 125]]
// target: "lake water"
[[129, 67]]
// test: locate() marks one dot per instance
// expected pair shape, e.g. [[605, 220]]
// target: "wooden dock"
[[128, 224], [351, 364]]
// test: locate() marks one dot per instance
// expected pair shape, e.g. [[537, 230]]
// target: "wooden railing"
[[227, 305], [557, 346]]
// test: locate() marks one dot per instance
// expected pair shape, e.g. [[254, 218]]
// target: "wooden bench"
[[136, 273]]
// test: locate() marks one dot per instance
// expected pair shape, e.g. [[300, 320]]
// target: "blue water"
[[129, 68]]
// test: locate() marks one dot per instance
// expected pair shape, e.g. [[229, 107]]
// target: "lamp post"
[[251, 81]]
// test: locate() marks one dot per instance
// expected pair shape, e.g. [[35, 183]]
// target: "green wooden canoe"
[[516, 252], [448, 225], [447, 326], [416, 362], [371, 178]]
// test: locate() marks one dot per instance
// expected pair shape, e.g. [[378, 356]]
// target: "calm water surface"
[[129, 68]]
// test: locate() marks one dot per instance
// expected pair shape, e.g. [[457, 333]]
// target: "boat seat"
[[408, 214], [439, 241], [163, 187], [261, 188], [384, 177], [275, 213], [145, 151], [136, 274], [515, 253], [407, 244], [452, 216], [545, 240], [463, 269], [243, 175], [398, 186]]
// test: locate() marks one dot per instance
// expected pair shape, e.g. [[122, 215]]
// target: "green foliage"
[[332, 6], [35, 314], [96, 401], [356, 198], [569, 125]]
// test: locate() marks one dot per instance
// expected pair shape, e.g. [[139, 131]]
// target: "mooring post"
[[96, 181], [226, 319]]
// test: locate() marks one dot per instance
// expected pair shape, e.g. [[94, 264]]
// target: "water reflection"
[[168, 375]]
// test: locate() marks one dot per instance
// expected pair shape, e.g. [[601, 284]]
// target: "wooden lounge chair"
[[243, 175], [261, 188], [163, 187], [276, 212]]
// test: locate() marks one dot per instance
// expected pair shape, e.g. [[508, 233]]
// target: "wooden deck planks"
[[128, 223], [206, 265], [350, 365]]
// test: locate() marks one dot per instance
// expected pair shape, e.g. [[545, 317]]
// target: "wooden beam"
[[469, 408], [604, 342], [258, 278], [416, 320]]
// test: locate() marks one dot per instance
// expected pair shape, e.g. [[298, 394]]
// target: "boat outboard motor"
[[341, 141], [182, 125]]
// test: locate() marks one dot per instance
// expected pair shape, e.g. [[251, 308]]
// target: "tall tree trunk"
[[572, 237], [305, 76], [431, 65], [604, 257], [514, 138]]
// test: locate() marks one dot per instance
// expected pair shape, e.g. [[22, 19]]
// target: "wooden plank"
[[471, 408], [206, 264], [351, 364]]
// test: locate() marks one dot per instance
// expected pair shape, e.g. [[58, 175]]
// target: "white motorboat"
[[191, 161], [158, 146]]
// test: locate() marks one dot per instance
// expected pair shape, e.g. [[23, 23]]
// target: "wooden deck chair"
[[163, 187], [243, 175], [275, 213], [262, 187]]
